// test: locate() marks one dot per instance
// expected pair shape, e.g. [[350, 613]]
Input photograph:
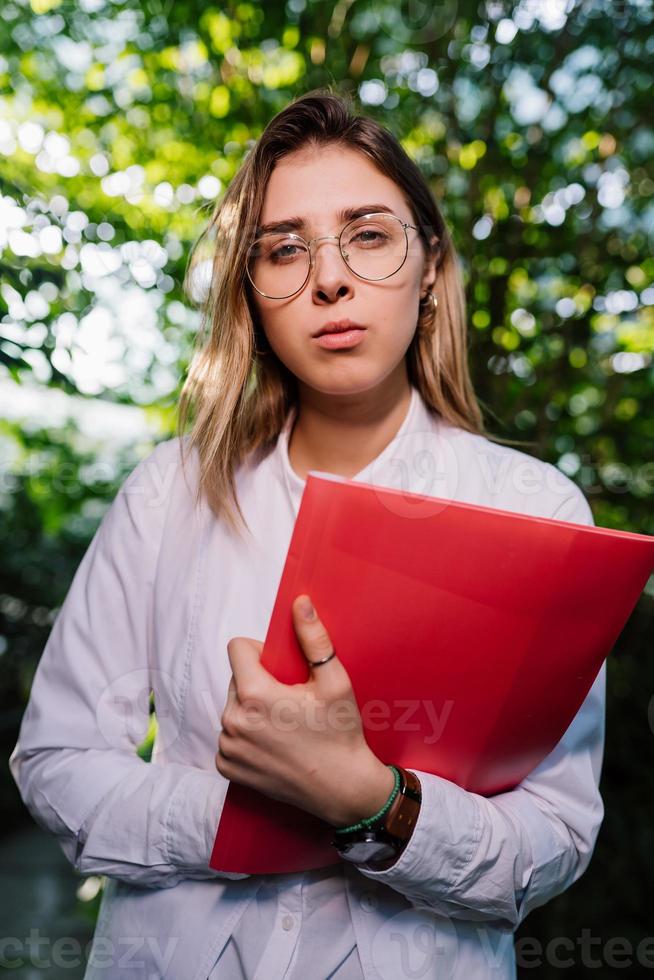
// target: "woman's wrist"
[[386, 832], [370, 787], [382, 812]]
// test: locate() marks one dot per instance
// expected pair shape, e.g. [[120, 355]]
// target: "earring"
[[434, 300], [427, 328]]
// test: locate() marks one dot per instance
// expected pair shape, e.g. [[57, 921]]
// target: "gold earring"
[[427, 328]]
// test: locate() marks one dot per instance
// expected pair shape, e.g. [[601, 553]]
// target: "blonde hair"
[[237, 390]]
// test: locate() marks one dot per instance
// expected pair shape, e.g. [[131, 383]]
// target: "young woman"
[[336, 341]]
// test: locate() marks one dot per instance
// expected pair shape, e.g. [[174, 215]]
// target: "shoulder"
[[149, 489], [161, 467], [511, 479]]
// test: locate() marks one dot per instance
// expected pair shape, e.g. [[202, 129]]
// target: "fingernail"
[[306, 608]]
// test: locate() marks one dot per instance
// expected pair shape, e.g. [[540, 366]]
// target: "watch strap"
[[402, 816], [396, 825]]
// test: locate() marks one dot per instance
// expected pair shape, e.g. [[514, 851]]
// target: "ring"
[[319, 663]]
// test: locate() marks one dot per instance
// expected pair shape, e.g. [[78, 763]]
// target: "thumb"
[[316, 645]]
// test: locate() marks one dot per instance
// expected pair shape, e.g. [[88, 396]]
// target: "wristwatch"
[[387, 838]]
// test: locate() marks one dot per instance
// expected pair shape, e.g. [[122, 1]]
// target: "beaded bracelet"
[[370, 820]]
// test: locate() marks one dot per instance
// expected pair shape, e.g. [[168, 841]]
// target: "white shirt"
[[299, 926], [159, 592]]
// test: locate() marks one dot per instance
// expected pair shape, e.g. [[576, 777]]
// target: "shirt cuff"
[[445, 838], [192, 820]]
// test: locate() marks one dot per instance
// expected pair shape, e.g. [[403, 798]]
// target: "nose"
[[330, 275]]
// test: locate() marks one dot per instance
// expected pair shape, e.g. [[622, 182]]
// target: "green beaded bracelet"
[[370, 820]]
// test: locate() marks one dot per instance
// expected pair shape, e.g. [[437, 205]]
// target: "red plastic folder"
[[480, 632]]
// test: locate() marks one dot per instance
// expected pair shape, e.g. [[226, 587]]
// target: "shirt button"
[[287, 922]]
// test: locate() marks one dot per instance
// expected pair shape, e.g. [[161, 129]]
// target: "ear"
[[429, 271]]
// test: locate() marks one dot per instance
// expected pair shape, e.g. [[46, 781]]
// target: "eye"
[[369, 235], [283, 251], [372, 233]]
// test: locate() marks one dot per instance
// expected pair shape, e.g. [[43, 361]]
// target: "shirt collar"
[[418, 419]]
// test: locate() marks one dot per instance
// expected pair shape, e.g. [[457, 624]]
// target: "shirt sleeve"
[[75, 762], [497, 858]]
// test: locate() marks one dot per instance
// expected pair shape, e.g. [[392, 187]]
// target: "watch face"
[[367, 850]]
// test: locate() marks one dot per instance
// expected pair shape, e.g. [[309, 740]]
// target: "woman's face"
[[316, 186]]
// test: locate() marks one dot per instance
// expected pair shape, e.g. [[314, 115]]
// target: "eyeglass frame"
[[337, 238]]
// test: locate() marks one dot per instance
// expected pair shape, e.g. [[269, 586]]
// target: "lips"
[[339, 326]]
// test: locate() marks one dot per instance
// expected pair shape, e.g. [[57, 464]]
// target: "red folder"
[[480, 630]]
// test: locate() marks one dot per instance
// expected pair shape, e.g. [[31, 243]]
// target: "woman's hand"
[[300, 743]]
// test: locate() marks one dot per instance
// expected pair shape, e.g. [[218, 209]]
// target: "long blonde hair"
[[237, 390]]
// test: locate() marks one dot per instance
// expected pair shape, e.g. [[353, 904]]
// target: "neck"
[[341, 434]]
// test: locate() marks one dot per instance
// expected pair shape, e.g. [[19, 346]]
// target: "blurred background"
[[121, 124]]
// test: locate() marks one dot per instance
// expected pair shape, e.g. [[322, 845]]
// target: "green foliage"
[[147, 745], [121, 122]]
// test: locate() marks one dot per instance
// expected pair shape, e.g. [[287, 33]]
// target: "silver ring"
[[319, 663]]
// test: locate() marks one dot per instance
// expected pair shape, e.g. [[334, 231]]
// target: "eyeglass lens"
[[373, 247]]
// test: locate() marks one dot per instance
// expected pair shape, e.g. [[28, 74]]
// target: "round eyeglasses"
[[373, 246]]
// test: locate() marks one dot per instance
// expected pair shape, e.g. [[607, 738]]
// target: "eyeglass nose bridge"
[[323, 238]]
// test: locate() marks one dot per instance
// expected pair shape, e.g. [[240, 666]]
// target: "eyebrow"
[[347, 214]]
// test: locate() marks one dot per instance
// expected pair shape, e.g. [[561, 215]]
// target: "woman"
[[327, 221]]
